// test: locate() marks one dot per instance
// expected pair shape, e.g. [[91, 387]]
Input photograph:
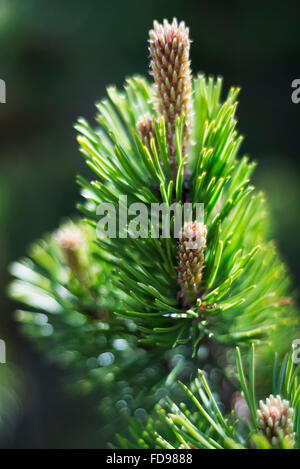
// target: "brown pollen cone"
[[191, 248], [170, 66]]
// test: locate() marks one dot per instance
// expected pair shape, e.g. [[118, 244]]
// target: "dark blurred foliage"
[[56, 58]]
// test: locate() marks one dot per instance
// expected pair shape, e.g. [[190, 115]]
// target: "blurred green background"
[[56, 59]]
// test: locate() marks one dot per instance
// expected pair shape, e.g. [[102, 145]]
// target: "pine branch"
[[243, 279], [68, 305], [128, 313], [268, 424]]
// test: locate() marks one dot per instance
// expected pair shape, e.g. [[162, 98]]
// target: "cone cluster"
[[191, 248], [275, 419], [169, 47]]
